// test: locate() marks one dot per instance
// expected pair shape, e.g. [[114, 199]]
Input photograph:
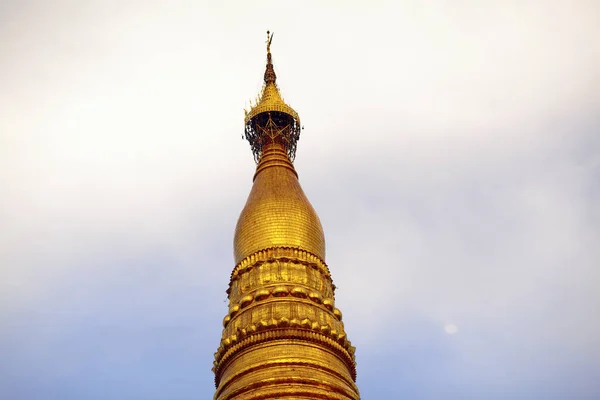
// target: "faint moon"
[[451, 329]]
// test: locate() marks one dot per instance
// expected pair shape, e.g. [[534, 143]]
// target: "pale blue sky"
[[451, 149]]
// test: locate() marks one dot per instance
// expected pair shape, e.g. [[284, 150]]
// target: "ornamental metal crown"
[[271, 119]]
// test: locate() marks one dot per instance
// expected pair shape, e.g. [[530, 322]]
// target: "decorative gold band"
[[280, 253], [289, 363], [278, 388], [310, 331]]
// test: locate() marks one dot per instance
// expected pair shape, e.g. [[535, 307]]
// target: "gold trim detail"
[[279, 253], [257, 334]]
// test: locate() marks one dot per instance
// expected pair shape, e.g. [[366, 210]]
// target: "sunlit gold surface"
[[277, 212], [283, 336], [270, 100]]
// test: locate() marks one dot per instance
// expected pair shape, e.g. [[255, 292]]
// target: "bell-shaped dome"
[[277, 212]]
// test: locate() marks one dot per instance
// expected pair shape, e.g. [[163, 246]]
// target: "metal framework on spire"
[[271, 119]]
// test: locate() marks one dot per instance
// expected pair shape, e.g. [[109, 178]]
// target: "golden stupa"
[[283, 337]]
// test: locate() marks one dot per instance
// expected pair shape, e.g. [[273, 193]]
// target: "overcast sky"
[[451, 149]]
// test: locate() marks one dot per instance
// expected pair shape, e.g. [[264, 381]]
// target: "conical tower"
[[283, 337]]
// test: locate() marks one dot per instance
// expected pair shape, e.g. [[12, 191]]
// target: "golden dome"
[[277, 212]]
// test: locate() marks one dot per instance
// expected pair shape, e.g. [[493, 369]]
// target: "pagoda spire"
[[283, 336]]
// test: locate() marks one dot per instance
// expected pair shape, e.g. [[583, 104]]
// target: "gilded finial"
[[270, 76], [270, 119], [269, 39]]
